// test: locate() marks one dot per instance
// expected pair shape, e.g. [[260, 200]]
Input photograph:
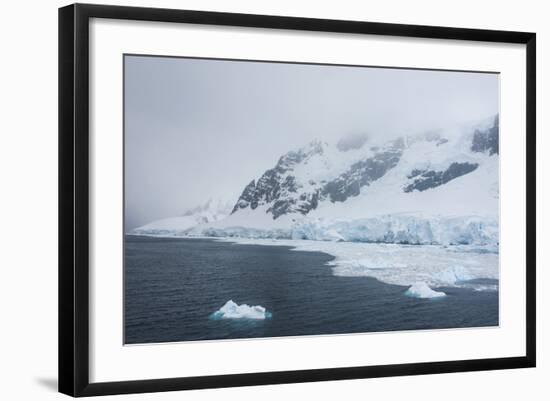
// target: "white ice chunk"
[[422, 290], [231, 310]]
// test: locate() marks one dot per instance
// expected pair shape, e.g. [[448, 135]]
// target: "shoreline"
[[436, 266]]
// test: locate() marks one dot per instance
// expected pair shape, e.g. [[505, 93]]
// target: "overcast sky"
[[200, 129]]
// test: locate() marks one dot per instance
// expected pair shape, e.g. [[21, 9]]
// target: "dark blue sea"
[[172, 286]]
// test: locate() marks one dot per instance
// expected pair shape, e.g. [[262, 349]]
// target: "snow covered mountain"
[[209, 212], [318, 176], [439, 187]]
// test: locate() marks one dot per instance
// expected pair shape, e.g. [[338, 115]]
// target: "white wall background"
[[28, 203]]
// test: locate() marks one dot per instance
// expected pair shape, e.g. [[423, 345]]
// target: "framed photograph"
[[251, 199]]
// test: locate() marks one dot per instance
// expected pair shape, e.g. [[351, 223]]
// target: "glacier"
[[391, 229], [402, 229], [231, 310]]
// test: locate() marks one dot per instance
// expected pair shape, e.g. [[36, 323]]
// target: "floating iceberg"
[[422, 290], [231, 310]]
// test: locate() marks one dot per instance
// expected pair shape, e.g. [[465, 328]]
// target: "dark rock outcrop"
[[486, 141], [428, 179], [361, 174]]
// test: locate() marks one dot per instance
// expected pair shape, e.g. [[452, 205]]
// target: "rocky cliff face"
[[278, 187], [285, 193]]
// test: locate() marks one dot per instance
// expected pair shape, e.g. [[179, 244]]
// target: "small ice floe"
[[453, 275], [422, 290], [231, 310]]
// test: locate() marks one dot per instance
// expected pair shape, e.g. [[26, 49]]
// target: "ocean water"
[[172, 286]]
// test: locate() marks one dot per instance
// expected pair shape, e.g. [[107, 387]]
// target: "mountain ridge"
[[437, 187], [284, 193]]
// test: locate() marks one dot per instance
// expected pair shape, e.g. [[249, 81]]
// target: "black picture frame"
[[74, 198]]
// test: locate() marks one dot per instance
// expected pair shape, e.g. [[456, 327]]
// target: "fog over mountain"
[[425, 189], [201, 129]]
